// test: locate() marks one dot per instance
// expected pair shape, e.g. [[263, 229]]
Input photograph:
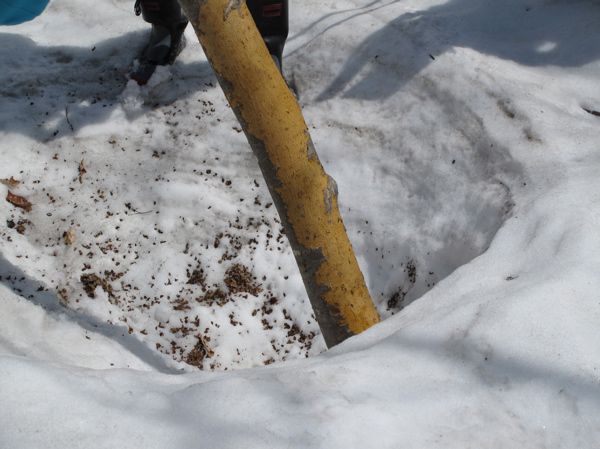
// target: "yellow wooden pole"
[[305, 196]]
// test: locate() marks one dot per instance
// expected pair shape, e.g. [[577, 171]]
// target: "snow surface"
[[463, 139]]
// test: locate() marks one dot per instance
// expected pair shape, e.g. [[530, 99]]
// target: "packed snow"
[[150, 297]]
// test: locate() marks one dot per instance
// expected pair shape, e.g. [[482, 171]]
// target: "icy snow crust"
[[468, 171]]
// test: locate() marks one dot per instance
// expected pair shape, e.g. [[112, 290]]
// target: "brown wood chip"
[[82, 171], [18, 201], [11, 182], [69, 236]]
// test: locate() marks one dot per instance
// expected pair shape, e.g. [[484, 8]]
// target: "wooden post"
[[305, 196]]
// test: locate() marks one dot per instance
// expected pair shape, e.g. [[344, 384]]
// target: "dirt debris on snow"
[[92, 281], [238, 279]]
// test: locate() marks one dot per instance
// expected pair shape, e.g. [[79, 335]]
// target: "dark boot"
[[166, 38], [169, 22], [271, 17]]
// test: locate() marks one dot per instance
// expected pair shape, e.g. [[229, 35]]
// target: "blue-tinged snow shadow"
[[51, 91], [537, 33], [38, 293]]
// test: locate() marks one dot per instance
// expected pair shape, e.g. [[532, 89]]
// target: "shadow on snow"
[[539, 33]]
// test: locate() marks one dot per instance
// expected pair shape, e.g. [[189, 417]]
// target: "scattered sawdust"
[[91, 281], [395, 302], [239, 279], [197, 277], [411, 270], [200, 351], [20, 226], [216, 296], [63, 296]]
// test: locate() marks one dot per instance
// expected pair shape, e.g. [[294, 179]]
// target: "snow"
[[468, 174]]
